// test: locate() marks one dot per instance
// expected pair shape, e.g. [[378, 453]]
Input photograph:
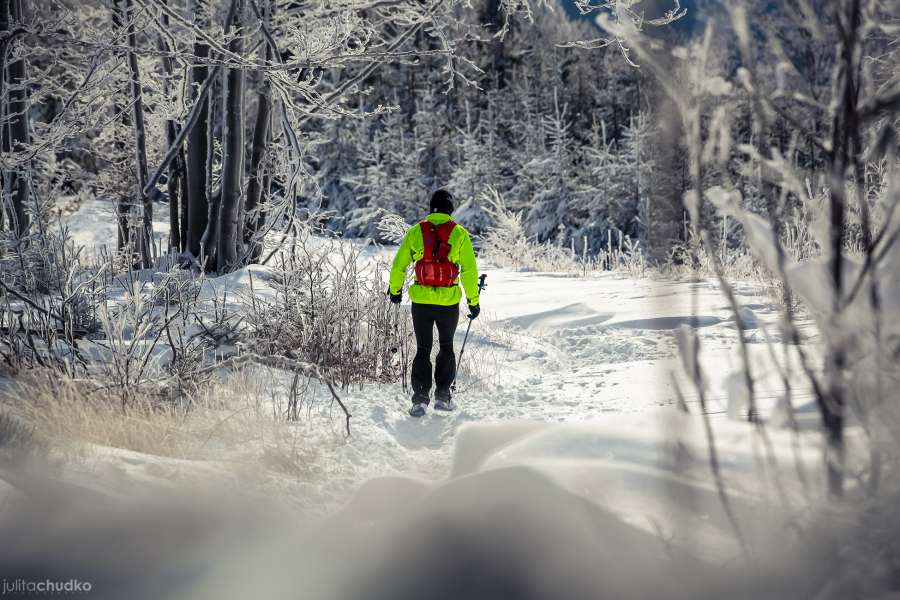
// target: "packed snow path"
[[555, 348]]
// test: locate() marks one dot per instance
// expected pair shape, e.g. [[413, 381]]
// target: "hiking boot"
[[420, 403], [443, 402]]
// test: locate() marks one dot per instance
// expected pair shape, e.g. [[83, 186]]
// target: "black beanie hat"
[[442, 202]]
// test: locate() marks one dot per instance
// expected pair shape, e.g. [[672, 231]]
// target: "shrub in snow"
[[507, 244], [330, 310], [392, 227], [851, 290]]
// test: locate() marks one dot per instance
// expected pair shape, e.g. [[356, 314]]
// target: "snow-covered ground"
[[577, 381], [93, 225], [549, 348], [558, 349]]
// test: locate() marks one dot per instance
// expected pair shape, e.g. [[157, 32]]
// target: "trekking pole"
[[401, 345], [481, 286]]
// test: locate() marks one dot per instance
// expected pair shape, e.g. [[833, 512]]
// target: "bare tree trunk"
[[228, 227], [140, 138], [123, 202], [843, 153], [174, 184], [16, 185], [183, 204], [197, 151], [173, 187], [261, 134], [257, 186], [208, 239]]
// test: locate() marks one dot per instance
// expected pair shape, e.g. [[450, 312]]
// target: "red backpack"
[[435, 269]]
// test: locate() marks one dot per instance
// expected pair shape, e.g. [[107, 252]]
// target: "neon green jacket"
[[413, 249]]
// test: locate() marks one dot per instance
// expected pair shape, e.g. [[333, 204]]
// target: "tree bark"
[[208, 239], [183, 203], [16, 185], [254, 214], [176, 167], [140, 139], [197, 151], [123, 202], [227, 226], [173, 187]]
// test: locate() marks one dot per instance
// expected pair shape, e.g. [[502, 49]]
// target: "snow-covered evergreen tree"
[[552, 178], [526, 131]]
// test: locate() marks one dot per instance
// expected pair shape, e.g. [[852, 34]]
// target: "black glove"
[[395, 298], [474, 311]]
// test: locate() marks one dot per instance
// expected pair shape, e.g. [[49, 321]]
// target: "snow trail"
[[552, 349], [548, 348], [567, 394]]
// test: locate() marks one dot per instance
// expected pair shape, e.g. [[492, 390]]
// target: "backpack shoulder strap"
[[445, 230], [429, 237]]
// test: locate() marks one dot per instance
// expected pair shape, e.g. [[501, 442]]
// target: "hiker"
[[444, 257]]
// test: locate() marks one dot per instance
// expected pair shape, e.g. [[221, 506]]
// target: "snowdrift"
[[531, 510]]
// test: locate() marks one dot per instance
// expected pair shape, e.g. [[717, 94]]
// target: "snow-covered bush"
[[49, 293], [627, 256], [329, 310], [131, 331], [843, 265], [392, 227], [507, 245]]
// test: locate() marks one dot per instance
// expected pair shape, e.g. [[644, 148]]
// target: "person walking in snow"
[[444, 257]]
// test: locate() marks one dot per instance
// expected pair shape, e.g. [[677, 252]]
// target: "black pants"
[[425, 317]]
